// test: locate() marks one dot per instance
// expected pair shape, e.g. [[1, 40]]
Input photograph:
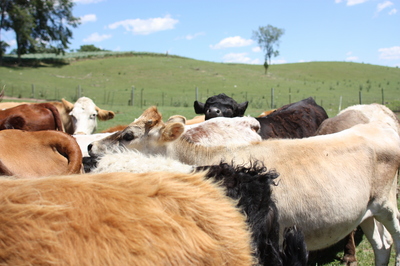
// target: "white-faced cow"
[[77, 118], [154, 218], [359, 164]]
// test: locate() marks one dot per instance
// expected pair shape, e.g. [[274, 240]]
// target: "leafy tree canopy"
[[89, 48], [39, 25], [268, 40]]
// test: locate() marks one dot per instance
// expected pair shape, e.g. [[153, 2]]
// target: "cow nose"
[[213, 112]]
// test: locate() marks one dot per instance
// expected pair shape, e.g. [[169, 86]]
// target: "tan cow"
[[347, 118], [77, 118], [34, 154], [155, 218], [319, 176]]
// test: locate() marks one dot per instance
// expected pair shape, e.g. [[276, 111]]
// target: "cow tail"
[[56, 115], [67, 146], [294, 251]]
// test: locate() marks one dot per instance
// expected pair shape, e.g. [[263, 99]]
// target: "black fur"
[[251, 186], [220, 106]]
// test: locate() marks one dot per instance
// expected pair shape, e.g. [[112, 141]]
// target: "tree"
[[39, 24], [89, 48], [3, 47], [268, 40]]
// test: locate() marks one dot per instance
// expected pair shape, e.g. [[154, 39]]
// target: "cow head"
[[148, 134], [84, 114], [220, 106]]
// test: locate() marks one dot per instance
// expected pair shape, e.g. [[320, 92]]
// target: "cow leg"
[[380, 240], [349, 257]]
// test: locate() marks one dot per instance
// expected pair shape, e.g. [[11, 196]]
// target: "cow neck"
[[194, 154]]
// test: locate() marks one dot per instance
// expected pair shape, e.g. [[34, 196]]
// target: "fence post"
[[272, 98], [141, 98], [383, 97], [132, 95], [33, 91], [79, 92], [360, 97]]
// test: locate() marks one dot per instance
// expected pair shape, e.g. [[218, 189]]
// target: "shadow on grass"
[[12, 62], [333, 253]]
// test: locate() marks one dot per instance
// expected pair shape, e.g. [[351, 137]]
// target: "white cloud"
[[146, 26], [352, 58], [256, 49], [95, 37], [88, 18], [229, 42], [389, 53], [351, 2], [393, 11], [190, 36], [382, 6], [87, 1], [239, 58]]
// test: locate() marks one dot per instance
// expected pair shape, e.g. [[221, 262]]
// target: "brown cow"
[[31, 117], [33, 154], [154, 218], [77, 118]]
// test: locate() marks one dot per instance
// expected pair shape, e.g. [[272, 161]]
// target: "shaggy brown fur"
[[155, 218]]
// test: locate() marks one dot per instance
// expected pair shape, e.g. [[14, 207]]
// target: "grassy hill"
[[170, 82]]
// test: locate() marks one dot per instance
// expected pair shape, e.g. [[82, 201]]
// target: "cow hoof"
[[349, 261]]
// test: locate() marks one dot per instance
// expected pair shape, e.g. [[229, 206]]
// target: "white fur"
[[136, 162]]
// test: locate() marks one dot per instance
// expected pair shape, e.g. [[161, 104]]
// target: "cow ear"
[[177, 118], [68, 106], [242, 108], [172, 131], [198, 107], [104, 114]]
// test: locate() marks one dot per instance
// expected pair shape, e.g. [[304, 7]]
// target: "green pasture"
[[172, 83]]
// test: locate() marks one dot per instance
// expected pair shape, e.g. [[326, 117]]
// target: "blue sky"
[[363, 31]]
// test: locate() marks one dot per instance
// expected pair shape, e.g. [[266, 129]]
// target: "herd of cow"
[[223, 189]]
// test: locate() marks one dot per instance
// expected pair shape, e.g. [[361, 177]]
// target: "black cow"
[[251, 187], [220, 106], [296, 120]]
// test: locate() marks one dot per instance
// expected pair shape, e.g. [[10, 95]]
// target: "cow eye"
[[128, 136], [92, 116]]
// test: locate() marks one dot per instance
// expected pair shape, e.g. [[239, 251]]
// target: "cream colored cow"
[[318, 176]]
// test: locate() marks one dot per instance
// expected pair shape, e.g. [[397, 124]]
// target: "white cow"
[[319, 176]]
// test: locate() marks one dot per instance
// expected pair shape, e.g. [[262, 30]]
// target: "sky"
[[362, 31]]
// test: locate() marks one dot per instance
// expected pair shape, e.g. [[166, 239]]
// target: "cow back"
[[296, 120], [38, 153]]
